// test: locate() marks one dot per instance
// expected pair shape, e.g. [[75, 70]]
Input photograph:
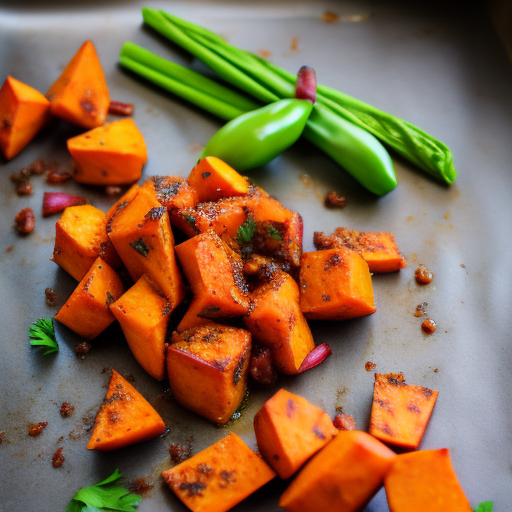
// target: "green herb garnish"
[[246, 231], [485, 506], [110, 494], [273, 232], [42, 333], [140, 247]]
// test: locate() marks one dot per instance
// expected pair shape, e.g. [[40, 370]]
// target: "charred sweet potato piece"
[[379, 250], [277, 322], [87, 311], [191, 318], [219, 477], [212, 179], [23, 112], [143, 313], [124, 418], [142, 236], [342, 477], [173, 192], [80, 94], [122, 201], [79, 233], [423, 481], [400, 412], [289, 430], [208, 368], [335, 284]]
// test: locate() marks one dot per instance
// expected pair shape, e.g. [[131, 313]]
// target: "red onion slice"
[[305, 88], [54, 202], [315, 357]]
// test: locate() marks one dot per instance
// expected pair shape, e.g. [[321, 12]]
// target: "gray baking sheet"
[[441, 68]]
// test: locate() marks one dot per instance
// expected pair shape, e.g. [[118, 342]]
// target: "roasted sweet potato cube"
[[122, 202], [143, 313], [277, 322], [112, 154], [23, 112], [173, 192], [124, 418], [79, 233], [335, 284], [423, 481], [207, 369], [191, 319], [379, 250], [212, 179], [400, 412], [80, 94], [289, 430], [87, 311], [219, 477], [142, 236], [342, 477]]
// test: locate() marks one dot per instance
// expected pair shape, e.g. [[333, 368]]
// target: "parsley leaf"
[[110, 494], [273, 232], [485, 506], [42, 333], [246, 231]]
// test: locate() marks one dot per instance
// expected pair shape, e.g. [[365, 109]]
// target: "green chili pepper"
[[257, 137]]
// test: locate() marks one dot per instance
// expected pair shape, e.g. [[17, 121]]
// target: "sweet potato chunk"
[[423, 481], [277, 322], [342, 477], [335, 284], [142, 236], [400, 412], [122, 202], [289, 430], [212, 179], [23, 112], [208, 368], [143, 313], [191, 318], [173, 192], [124, 418], [80, 95], [379, 250], [79, 233], [219, 477], [87, 311]]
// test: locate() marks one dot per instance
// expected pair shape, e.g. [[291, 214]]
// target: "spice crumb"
[[35, 429], [329, 17], [334, 200], [369, 366], [58, 459], [429, 326], [66, 409], [25, 221], [50, 295], [423, 275]]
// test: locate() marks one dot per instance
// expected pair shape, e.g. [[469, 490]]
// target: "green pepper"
[[257, 137]]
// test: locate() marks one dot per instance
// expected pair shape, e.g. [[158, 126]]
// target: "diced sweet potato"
[[342, 477], [208, 368], [423, 481], [112, 154], [173, 192], [79, 233], [191, 319], [124, 418], [142, 236], [122, 201], [87, 311], [289, 430], [379, 250], [335, 284], [23, 112], [143, 313], [212, 179], [277, 322], [400, 412], [80, 95], [219, 477]]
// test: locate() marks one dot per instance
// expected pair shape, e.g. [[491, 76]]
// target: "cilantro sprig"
[[485, 506], [110, 494], [42, 333], [246, 231]]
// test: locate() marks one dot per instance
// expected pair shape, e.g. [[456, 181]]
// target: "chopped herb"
[[191, 220], [155, 213], [140, 247], [42, 333], [273, 232], [110, 494], [246, 231], [485, 506]]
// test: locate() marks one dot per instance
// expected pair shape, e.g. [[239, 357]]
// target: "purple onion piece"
[[305, 88], [315, 357], [54, 202]]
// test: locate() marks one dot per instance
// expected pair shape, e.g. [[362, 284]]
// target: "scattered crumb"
[[329, 17], [334, 200], [265, 54], [294, 45], [58, 459], [140, 486], [369, 366], [180, 452], [35, 429], [66, 409]]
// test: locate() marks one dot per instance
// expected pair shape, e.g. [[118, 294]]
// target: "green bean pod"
[[356, 150], [257, 137]]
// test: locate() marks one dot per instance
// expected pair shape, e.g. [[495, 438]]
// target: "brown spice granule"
[[334, 200], [119, 108], [35, 429], [2, 434], [25, 221], [180, 452], [50, 296], [140, 486], [329, 17], [82, 349], [428, 326], [369, 366], [423, 275], [420, 309], [66, 409], [58, 459], [344, 421], [53, 178]]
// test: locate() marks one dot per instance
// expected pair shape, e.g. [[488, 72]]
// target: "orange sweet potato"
[[122, 202], [142, 236], [379, 250], [112, 154], [277, 322], [23, 112], [87, 311], [342, 477], [212, 179], [219, 477], [423, 481], [173, 192], [143, 313], [124, 418], [191, 318], [208, 368], [400, 412], [80, 95], [289, 430], [335, 284]]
